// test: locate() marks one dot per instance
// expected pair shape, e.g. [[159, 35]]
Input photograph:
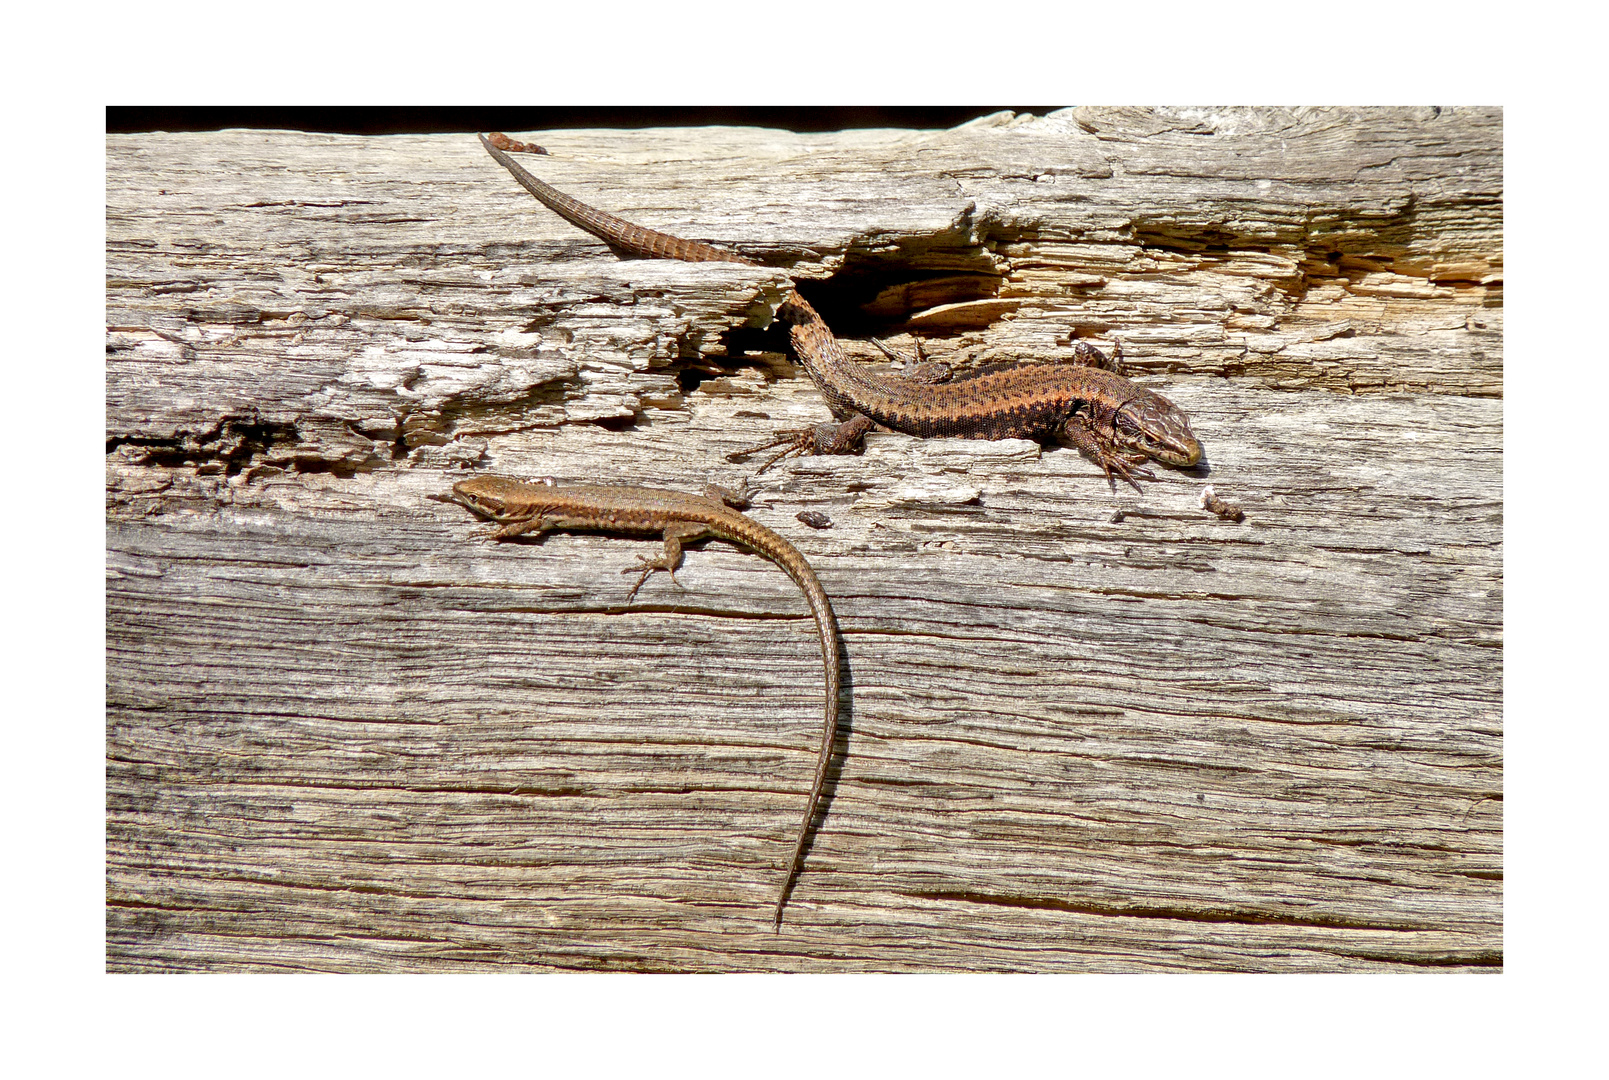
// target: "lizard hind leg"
[[845, 438], [675, 536], [793, 443], [920, 369], [737, 499]]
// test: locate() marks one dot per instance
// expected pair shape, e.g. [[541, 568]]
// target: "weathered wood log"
[[1084, 730]]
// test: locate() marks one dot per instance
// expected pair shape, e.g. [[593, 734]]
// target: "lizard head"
[[492, 496], [1152, 425]]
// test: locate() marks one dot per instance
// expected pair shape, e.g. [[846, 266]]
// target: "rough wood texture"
[[345, 734]]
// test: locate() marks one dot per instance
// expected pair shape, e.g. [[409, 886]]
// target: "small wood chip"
[[1226, 511]]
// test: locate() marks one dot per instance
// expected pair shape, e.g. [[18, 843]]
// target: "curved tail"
[[617, 232], [827, 627]]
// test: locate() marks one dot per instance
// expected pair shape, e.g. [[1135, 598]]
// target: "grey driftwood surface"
[[1084, 730]]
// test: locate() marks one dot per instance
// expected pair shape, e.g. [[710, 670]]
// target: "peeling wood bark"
[[1085, 731]]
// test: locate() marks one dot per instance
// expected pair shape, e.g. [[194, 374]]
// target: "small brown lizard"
[[1082, 402], [520, 509]]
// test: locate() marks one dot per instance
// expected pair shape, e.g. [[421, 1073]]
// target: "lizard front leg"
[[512, 527], [1080, 433], [676, 535]]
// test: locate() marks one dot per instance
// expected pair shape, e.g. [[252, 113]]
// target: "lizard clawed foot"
[[645, 568], [737, 498], [919, 358], [795, 443], [921, 369], [1079, 434], [509, 529], [1087, 355], [1127, 468], [845, 438]]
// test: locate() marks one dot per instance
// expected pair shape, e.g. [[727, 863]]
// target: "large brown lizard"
[[1083, 402]]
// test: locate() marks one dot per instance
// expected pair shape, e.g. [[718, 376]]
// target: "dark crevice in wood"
[[615, 423], [1477, 960], [235, 441], [1244, 918], [876, 296], [870, 296]]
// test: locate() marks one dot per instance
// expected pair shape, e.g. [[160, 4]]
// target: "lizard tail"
[[831, 660], [617, 232]]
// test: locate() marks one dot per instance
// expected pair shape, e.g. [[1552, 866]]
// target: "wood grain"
[[1084, 731]]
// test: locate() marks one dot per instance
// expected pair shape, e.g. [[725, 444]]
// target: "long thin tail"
[[616, 232], [827, 626], [844, 384]]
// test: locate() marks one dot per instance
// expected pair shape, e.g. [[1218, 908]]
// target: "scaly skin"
[[1080, 403], [521, 508]]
